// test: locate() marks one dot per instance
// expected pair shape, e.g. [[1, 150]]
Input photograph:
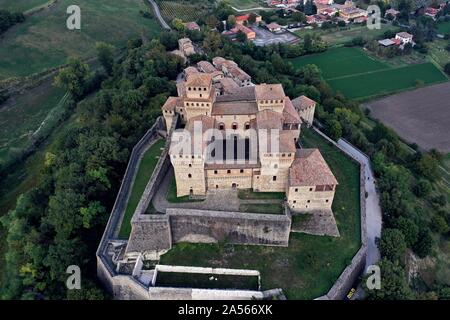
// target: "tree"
[[424, 244], [409, 230], [241, 36], [231, 22], [251, 18], [423, 188], [299, 17], [211, 21], [308, 43], [447, 68], [178, 25], [392, 245], [74, 77], [212, 42], [394, 285], [105, 54], [334, 129]]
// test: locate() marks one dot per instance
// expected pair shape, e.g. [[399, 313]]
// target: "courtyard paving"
[[265, 37]]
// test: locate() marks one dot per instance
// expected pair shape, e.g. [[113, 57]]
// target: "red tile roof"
[[310, 169]]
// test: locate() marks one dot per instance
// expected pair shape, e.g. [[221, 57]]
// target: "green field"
[[438, 52], [387, 81], [444, 27], [339, 62], [21, 5], [358, 75], [311, 264], [145, 171], [43, 40]]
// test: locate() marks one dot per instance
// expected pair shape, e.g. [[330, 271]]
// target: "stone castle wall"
[[200, 226]]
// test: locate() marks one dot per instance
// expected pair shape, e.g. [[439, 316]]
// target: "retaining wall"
[[200, 226]]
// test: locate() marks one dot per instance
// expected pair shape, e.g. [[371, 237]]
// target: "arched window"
[[234, 126], [247, 125], [221, 126]]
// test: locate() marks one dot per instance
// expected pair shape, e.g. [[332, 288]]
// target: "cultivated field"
[[247, 4], [358, 75], [421, 116], [311, 264], [43, 41], [184, 10]]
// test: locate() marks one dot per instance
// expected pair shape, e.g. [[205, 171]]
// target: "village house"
[[352, 13], [192, 26], [391, 12], [431, 12], [251, 115], [273, 27], [243, 19], [249, 33], [404, 37]]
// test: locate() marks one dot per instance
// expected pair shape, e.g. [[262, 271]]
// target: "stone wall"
[[200, 226], [351, 273]]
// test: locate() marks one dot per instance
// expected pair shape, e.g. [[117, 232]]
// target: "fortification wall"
[[200, 226]]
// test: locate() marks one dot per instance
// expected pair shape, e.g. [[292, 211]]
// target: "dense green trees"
[[8, 19], [105, 54], [59, 223]]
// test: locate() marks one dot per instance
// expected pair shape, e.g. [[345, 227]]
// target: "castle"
[[238, 135]]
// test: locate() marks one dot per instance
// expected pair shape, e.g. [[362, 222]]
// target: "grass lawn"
[[43, 40], [248, 194], [21, 5], [444, 27], [205, 281], [145, 171], [262, 208], [311, 264], [340, 36], [360, 76]]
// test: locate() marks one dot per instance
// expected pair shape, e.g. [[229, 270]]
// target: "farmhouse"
[[243, 19], [404, 37], [192, 26], [431, 12], [273, 27], [249, 33], [352, 13], [391, 13], [263, 123]]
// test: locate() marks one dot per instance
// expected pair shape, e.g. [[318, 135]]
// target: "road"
[[373, 209], [158, 15]]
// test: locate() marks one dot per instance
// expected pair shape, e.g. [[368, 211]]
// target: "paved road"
[[159, 16], [253, 9], [373, 210]]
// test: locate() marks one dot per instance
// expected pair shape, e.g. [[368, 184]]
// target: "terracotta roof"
[[404, 35], [190, 70], [303, 102], [241, 94], [218, 62], [192, 25], [268, 119], [273, 25], [228, 86], [235, 107], [239, 73], [310, 169], [171, 103], [269, 92], [199, 80], [206, 66], [289, 112]]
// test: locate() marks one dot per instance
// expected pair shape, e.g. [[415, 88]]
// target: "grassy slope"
[[444, 27], [22, 115], [310, 265], [21, 5], [146, 167], [43, 41]]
